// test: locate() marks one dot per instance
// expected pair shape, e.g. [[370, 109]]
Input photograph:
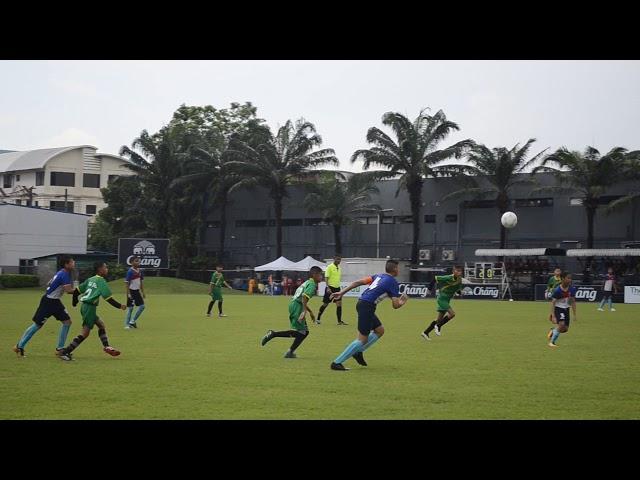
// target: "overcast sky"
[[498, 103]]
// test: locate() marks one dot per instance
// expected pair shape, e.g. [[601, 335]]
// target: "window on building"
[[7, 181], [386, 220], [39, 179], [575, 202], [480, 204], [429, 219], [18, 202], [111, 178], [251, 223], [403, 219], [451, 218], [17, 178], [607, 199], [315, 222], [292, 222], [91, 180], [360, 220], [63, 179], [90, 209], [59, 206], [37, 203], [26, 266], [534, 202]]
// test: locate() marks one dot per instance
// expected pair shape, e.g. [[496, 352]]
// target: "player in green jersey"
[[88, 293], [298, 308], [215, 290], [448, 286]]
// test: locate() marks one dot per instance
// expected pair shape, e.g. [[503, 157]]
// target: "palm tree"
[[412, 156], [276, 162], [502, 169], [632, 172], [339, 199], [589, 174]]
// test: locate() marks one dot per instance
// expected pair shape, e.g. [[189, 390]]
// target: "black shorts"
[[367, 319], [562, 315], [50, 307], [327, 293], [135, 297]]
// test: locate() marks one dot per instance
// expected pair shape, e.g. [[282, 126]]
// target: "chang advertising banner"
[[414, 290], [153, 252], [632, 294], [584, 293], [481, 292]]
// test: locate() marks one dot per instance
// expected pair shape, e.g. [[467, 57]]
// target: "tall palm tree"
[[412, 155], [339, 199], [276, 162], [632, 173], [502, 168], [589, 174]]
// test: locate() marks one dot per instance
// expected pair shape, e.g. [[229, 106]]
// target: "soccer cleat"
[[128, 327], [613, 309], [551, 344], [425, 335], [208, 314], [600, 309], [222, 315], [317, 322], [111, 351], [267, 337], [338, 366], [133, 325], [342, 323], [359, 357], [60, 351], [65, 356], [437, 330], [19, 351], [290, 354]]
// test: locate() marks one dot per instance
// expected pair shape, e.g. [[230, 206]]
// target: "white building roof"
[[36, 159]]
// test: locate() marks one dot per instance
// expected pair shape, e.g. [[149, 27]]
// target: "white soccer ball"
[[509, 220]]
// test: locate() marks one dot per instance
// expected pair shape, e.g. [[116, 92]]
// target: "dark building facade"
[[458, 226]]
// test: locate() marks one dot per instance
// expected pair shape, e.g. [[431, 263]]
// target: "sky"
[[46, 104]]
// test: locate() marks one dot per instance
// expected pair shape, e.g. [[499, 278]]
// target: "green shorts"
[[89, 315], [295, 310], [443, 303], [216, 294]]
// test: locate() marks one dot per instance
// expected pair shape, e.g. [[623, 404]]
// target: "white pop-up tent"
[[306, 263], [280, 264]]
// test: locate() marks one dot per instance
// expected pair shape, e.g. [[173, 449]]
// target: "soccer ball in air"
[[509, 220]]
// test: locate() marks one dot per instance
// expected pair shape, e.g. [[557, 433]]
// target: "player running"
[[134, 284], [448, 286], [370, 327], [215, 290], [608, 289], [563, 296], [92, 289], [51, 305], [553, 283], [298, 308], [332, 276]]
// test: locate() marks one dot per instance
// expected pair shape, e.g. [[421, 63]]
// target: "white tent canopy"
[[604, 252], [280, 264], [306, 263]]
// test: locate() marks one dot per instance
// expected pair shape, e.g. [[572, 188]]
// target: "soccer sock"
[[373, 338], [210, 307], [323, 307], [138, 313], [352, 348], [127, 318], [339, 313], [610, 302], [62, 336], [102, 333], [430, 327], [285, 333], [28, 333], [444, 320], [300, 337], [74, 344], [602, 303], [220, 307], [556, 334]]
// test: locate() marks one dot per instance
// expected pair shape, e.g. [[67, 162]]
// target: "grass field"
[[491, 362]]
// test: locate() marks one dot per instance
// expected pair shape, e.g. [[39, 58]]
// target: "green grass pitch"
[[491, 362]]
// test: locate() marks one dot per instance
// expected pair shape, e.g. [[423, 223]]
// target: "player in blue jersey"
[[135, 293], [562, 297], [370, 328], [51, 305]]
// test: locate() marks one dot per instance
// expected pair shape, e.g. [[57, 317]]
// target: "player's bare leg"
[[447, 317], [102, 333]]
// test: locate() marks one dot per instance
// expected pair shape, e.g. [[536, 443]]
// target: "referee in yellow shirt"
[[332, 276]]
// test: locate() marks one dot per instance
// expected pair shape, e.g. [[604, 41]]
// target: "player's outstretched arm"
[[356, 284], [573, 307], [228, 286], [116, 304], [553, 310]]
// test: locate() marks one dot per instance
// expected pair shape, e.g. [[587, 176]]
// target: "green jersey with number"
[[217, 280], [448, 284], [308, 289], [92, 289]]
